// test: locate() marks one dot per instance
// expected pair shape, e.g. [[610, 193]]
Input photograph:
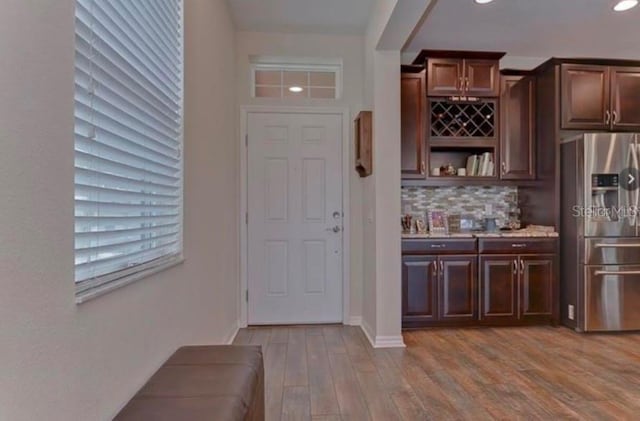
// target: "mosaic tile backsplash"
[[467, 200]]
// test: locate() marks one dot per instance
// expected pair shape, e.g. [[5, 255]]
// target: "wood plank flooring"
[[332, 373]]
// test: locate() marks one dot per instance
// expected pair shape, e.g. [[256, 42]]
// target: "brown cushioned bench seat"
[[203, 383]]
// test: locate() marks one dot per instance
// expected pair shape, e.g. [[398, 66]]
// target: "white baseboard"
[[381, 341], [232, 333], [355, 321]]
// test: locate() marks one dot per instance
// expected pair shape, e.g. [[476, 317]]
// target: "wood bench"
[[203, 383]]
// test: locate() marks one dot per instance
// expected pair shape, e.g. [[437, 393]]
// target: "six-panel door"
[[499, 287], [419, 283], [457, 287]]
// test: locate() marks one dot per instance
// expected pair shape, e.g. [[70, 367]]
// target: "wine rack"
[[463, 120]]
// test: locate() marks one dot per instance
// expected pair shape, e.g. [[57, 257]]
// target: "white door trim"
[[245, 110]]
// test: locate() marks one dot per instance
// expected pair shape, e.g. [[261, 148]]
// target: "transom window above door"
[[296, 81]]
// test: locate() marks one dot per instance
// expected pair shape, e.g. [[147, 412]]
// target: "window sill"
[[90, 294]]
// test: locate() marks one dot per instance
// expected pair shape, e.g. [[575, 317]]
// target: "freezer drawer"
[[612, 298], [612, 251]]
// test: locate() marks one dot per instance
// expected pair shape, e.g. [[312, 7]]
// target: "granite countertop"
[[502, 234]]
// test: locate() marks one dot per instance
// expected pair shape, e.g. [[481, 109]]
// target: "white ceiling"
[[302, 16], [532, 28]]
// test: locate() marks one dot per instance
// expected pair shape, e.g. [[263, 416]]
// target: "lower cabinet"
[[439, 289], [457, 288], [516, 288], [537, 280], [498, 288], [488, 282], [419, 296]]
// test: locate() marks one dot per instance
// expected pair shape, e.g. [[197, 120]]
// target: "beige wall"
[[349, 49], [60, 361]]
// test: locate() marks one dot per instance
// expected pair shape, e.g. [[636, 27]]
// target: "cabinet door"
[[419, 277], [625, 98], [412, 112], [499, 288], [537, 280], [481, 78], [458, 288], [517, 133], [444, 77], [585, 97]]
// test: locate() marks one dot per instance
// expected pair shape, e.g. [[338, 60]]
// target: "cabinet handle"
[[521, 267], [423, 168], [466, 81], [441, 267], [607, 117], [460, 86], [438, 246], [435, 269], [518, 245], [615, 118], [504, 168], [515, 267]]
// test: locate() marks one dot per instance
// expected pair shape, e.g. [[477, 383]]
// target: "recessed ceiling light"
[[483, 1], [295, 89], [625, 5]]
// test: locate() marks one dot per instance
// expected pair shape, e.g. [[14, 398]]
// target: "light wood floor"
[[332, 373]]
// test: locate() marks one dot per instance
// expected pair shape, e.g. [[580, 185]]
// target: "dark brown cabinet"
[[537, 278], [412, 111], [457, 287], [439, 289], [485, 281], [498, 288], [462, 77], [482, 77], [517, 131], [517, 288], [595, 97], [625, 98], [419, 296]]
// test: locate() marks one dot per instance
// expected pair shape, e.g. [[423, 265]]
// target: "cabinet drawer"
[[441, 246], [517, 245]]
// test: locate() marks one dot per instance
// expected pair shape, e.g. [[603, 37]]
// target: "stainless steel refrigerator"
[[600, 232]]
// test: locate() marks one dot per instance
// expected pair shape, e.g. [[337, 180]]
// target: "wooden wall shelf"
[[363, 146]]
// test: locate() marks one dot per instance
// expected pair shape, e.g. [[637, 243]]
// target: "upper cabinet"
[[412, 109], [585, 97], [446, 77], [517, 131], [625, 98], [595, 97], [463, 77], [461, 73]]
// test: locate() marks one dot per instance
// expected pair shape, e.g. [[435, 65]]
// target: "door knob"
[[336, 215], [335, 229]]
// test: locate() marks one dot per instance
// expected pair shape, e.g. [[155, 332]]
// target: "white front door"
[[295, 218]]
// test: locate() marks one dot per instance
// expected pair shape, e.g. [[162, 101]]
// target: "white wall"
[[350, 50], [390, 25], [60, 361]]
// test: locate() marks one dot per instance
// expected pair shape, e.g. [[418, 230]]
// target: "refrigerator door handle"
[[624, 245], [616, 272], [634, 164]]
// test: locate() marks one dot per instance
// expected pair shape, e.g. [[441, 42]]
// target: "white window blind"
[[128, 138]]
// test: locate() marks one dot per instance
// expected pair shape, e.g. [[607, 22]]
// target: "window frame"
[[335, 68], [91, 288]]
